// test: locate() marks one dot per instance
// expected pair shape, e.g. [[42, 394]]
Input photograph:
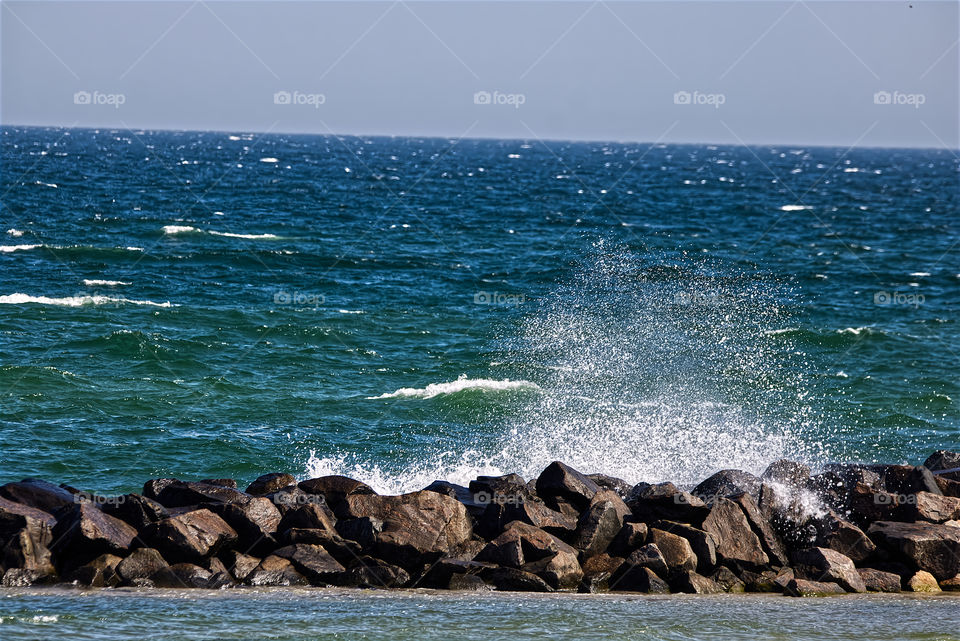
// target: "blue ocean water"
[[201, 304]]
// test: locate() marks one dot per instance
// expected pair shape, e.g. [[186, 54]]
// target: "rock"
[[559, 481], [272, 482], [828, 565], [533, 511], [726, 483], [600, 523], [763, 581], [231, 483], [520, 544], [646, 556], [22, 578], [461, 493], [185, 575], [666, 502], [597, 571], [787, 473], [692, 583], [676, 550], [951, 585], [924, 506], [922, 582], [28, 549], [189, 494], [417, 527], [772, 545], [335, 489], [907, 479], [368, 572], [508, 488], [612, 483], [868, 505], [364, 531], [932, 547], [16, 516], [789, 512], [343, 550], [629, 538], [948, 487], [561, 571], [835, 484], [438, 574], [153, 487], [83, 533], [638, 579], [844, 537], [136, 510], [737, 545], [702, 543], [727, 580], [38, 494], [99, 573], [467, 583], [944, 460], [141, 564], [802, 587], [879, 581], [784, 576], [514, 580], [313, 562], [240, 565], [255, 522], [190, 537], [275, 571], [292, 497]]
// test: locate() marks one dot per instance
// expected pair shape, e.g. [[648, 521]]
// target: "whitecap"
[[75, 301], [16, 233], [269, 160], [178, 229], [459, 385], [6, 249], [920, 274], [248, 236], [350, 311], [794, 207], [93, 282]]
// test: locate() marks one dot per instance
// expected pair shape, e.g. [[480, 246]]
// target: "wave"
[[461, 384], [76, 301], [16, 233], [795, 207], [6, 249], [188, 229], [92, 282]]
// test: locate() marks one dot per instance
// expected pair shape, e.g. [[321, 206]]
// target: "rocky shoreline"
[[847, 529]]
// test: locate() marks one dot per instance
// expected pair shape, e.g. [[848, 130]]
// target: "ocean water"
[[221, 305]]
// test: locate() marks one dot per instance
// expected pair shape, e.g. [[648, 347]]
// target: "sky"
[[854, 73]]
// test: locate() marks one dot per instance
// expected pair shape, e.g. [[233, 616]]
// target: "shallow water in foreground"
[[321, 613]]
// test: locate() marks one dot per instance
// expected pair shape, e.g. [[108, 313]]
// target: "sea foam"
[[75, 301], [461, 384]]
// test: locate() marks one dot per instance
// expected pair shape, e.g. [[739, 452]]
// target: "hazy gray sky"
[[756, 72]]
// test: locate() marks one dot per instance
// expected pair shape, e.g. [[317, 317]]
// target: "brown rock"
[[629, 538], [727, 483], [829, 565], [700, 541], [83, 533], [38, 494], [879, 581], [191, 537], [932, 547], [183, 575], [612, 483], [520, 544], [514, 580], [788, 473], [729, 581], [335, 489], [21, 578], [560, 481], [141, 564], [951, 585], [188, 494], [802, 587], [136, 510], [736, 542], [270, 483], [597, 571], [646, 556], [692, 583], [844, 537], [561, 571], [942, 460], [639, 579], [666, 502], [313, 562], [676, 550], [368, 572], [600, 523], [275, 571], [769, 540], [922, 582], [343, 550], [924, 506], [28, 549], [240, 565], [438, 575], [16, 516], [99, 573], [255, 521]]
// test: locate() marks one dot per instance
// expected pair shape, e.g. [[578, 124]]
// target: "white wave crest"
[[795, 207], [462, 383], [6, 249], [16, 233], [188, 229], [75, 301], [248, 236], [93, 282], [178, 229]]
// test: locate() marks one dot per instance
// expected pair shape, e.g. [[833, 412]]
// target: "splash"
[[461, 384]]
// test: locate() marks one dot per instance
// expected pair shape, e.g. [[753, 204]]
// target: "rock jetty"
[[846, 529]]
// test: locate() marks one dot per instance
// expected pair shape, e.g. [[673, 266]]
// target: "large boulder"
[[335, 489], [804, 587], [272, 482], [692, 583], [932, 547], [522, 543], [597, 571], [665, 501], [770, 541], [275, 571], [345, 551], [737, 545], [842, 536], [368, 572], [504, 509], [925, 506], [83, 532], [561, 571], [823, 564], [314, 562], [676, 550], [701, 542], [907, 479], [28, 549], [879, 581], [790, 473], [98, 573], [629, 538], [255, 521], [136, 510], [646, 556], [727, 483], [191, 537], [600, 522], [561, 482], [922, 582], [638, 579], [612, 483], [188, 494], [141, 564], [16, 516], [416, 528], [38, 494], [943, 460]]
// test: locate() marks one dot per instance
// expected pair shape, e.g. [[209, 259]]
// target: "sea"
[[399, 310]]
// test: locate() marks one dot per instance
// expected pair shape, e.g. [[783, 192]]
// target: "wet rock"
[[638, 579], [255, 522], [275, 571], [363, 531], [343, 550], [879, 581], [842, 536], [944, 460], [868, 505], [240, 565], [38, 494], [187, 575], [141, 564], [737, 545], [729, 581], [676, 550], [629, 538], [726, 483], [28, 549], [231, 483], [692, 583], [417, 527], [136, 510], [597, 571], [467, 583], [438, 574], [335, 489], [520, 544], [514, 580], [784, 576], [15, 516], [191, 537], [837, 481], [803, 587], [646, 556], [612, 483], [951, 585], [788, 473], [460, 493], [790, 512], [560, 481], [153, 487], [948, 487], [368, 572], [924, 506], [770, 541], [83, 533], [99, 573], [561, 571], [922, 581], [702, 543], [188, 494], [22, 578], [600, 523], [272, 482], [763, 581], [907, 479], [932, 547], [823, 564], [666, 502], [292, 497], [312, 561], [533, 511]]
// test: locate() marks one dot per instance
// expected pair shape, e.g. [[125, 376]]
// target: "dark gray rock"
[[191, 537], [513, 580], [726, 483], [561, 482], [737, 545], [272, 482], [83, 533], [638, 579], [38, 494], [788, 473], [823, 564], [629, 538], [314, 562], [665, 501], [600, 522], [931, 547], [141, 564]]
